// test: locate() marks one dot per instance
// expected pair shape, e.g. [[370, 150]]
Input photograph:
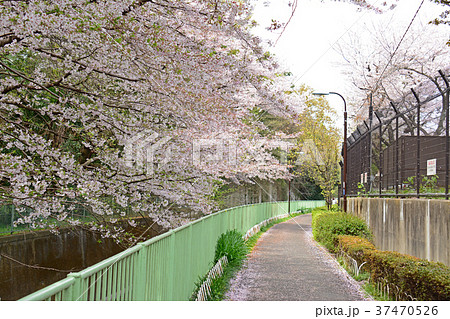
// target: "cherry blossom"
[[80, 79]]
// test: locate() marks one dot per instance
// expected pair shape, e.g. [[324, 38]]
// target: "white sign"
[[431, 167], [365, 177], [362, 178]]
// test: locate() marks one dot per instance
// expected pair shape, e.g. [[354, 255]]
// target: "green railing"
[[165, 267]]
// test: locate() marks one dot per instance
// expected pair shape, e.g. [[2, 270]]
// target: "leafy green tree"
[[317, 153]]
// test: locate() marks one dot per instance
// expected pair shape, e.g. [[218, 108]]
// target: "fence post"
[[396, 148], [447, 145], [380, 165], [418, 144], [447, 142], [289, 197], [370, 141], [446, 99], [12, 219]]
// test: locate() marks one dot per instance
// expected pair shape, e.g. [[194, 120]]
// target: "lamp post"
[[344, 177]]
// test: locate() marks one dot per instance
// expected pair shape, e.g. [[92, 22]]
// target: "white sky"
[[306, 46]]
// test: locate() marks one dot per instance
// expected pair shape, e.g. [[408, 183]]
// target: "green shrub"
[[355, 247], [319, 210], [420, 278], [328, 225], [408, 275], [232, 245]]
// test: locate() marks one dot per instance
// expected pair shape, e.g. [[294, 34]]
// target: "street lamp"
[[344, 177]]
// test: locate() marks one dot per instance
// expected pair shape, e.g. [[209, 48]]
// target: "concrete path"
[[287, 264]]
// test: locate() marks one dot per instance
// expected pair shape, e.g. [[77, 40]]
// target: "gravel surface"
[[287, 264]]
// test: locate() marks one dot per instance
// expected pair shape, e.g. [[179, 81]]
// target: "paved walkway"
[[287, 264]]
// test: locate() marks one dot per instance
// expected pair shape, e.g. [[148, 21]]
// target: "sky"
[[307, 46]]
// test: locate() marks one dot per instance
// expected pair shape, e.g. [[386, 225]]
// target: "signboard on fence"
[[431, 167]]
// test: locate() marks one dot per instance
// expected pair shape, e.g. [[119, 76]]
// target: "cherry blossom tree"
[[389, 69], [107, 105]]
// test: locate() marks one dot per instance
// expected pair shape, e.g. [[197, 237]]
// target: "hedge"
[[328, 226], [419, 278], [356, 247], [422, 279]]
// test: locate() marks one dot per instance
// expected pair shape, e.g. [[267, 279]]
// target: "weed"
[[375, 293], [232, 245]]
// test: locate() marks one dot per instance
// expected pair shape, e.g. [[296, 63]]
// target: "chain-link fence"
[[7, 218], [9, 215], [403, 149], [78, 210]]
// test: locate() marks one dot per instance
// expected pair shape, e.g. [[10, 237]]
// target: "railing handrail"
[[128, 275]]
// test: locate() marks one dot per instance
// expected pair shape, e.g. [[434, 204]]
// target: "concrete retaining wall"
[[22, 256], [418, 227], [70, 250]]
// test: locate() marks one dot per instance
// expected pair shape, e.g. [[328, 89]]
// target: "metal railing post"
[[171, 272], [140, 276], [76, 286]]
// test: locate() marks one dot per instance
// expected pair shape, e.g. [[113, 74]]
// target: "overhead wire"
[[332, 45], [398, 46]]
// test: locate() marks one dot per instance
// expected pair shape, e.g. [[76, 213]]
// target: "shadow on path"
[[287, 264]]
